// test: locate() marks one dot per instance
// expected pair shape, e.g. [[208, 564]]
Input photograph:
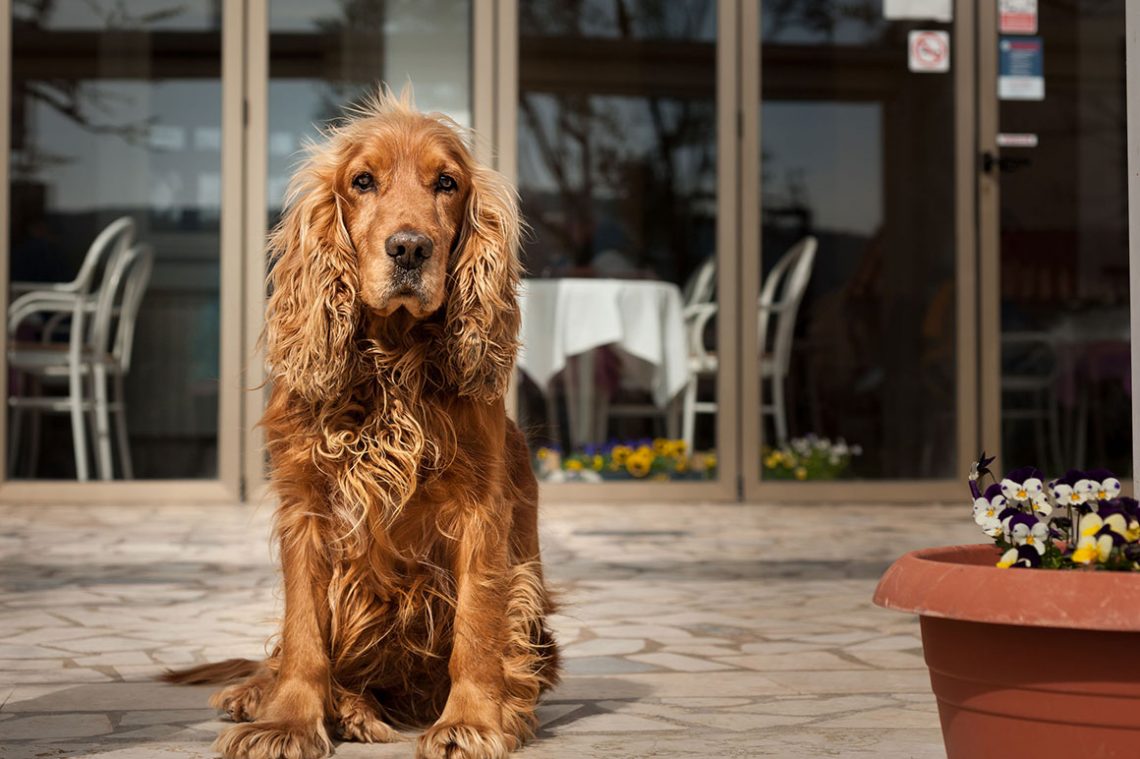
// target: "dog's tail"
[[217, 672]]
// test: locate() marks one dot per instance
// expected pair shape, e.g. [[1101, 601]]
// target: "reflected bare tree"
[[648, 158], [362, 29], [819, 18], [83, 101]]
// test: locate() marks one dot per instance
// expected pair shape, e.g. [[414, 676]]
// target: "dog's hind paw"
[[358, 719], [240, 702]]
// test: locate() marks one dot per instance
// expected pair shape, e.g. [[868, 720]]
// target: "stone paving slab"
[[689, 630]]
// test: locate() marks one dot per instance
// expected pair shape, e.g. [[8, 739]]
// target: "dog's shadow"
[[103, 718], [98, 718], [581, 698]]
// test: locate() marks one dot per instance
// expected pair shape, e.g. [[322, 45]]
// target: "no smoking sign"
[[929, 52]]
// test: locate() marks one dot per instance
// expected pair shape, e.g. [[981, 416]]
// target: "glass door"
[[120, 212], [1055, 237], [627, 175], [309, 63], [857, 176]]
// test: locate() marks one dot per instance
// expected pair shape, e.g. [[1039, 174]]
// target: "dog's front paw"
[[240, 702], [460, 741], [274, 740], [358, 719]]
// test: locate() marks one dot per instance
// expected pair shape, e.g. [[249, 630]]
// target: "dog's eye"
[[363, 182], [445, 183]]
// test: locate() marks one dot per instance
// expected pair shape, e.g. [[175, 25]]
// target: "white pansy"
[[1067, 495], [1023, 535], [1023, 492], [1105, 490]]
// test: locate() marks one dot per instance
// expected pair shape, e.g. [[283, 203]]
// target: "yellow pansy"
[[638, 465], [620, 453]]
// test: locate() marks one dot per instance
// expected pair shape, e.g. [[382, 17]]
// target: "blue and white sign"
[[1021, 68]]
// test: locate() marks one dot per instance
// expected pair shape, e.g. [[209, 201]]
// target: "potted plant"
[[1033, 640]]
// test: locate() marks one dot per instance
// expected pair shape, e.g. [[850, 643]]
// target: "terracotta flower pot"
[[1024, 662]]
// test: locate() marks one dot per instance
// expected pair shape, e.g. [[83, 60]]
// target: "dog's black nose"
[[408, 249]]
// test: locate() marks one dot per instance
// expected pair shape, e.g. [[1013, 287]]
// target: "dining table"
[[566, 321]]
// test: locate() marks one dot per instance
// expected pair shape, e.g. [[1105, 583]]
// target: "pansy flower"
[[977, 470], [1070, 495], [987, 510], [1093, 548], [1115, 519], [1022, 556], [1024, 485], [1097, 539], [1024, 530], [1075, 490], [1102, 485]]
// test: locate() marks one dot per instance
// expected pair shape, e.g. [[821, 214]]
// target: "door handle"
[[1004, 164]]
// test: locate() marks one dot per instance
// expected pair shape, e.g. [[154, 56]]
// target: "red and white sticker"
[[929, 51], [1017, 17]]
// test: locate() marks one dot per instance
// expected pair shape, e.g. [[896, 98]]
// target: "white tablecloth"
[[570, 317]]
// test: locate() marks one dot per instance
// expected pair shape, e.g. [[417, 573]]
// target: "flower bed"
[[808, 458], [660, 459]]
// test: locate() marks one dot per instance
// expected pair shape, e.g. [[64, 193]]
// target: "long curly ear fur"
[[482, 324], [313, 311]]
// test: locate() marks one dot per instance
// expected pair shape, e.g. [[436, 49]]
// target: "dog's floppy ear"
[[482, 324], [313, 309]]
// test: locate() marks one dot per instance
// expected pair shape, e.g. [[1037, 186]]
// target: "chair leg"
[[36, 389], [779, 413], [689, 414], [553, 424], [673, 419], [121, 431], [15, 425], [78, 430], [102, 422], [34, 443]]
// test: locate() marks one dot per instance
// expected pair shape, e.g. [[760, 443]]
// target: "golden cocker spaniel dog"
[[407, 514]]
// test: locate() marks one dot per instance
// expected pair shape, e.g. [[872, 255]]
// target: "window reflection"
[[116, 112], [617, 174], [1066, 385], [327, 55], [858, 154]]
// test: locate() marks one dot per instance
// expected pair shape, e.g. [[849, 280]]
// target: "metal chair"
[[776, 312], [98, 350]]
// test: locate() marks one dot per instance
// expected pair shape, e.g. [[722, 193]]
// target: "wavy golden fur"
[[407, 514]]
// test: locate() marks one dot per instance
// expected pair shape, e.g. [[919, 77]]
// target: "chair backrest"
[[701, 285], [780, 297], [115, 238], [117, 304]]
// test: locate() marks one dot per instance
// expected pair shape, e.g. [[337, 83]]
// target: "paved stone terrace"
[[689, 631]]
